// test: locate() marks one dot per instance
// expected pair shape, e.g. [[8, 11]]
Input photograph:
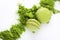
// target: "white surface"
[[8, 9], [8, 17]]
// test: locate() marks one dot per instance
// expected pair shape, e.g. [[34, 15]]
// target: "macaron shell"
[[34, 20], [43, 15], [33, 25]]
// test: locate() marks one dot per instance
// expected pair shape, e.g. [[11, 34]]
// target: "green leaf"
[[7, 35]]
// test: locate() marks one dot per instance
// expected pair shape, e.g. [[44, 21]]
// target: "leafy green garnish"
[[7, 35], [49, 4]]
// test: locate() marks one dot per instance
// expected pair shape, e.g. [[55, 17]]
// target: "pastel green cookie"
[[43, 15], [33, 25]]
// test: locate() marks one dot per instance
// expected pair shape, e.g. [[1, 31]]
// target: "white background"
[[8, 16]]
